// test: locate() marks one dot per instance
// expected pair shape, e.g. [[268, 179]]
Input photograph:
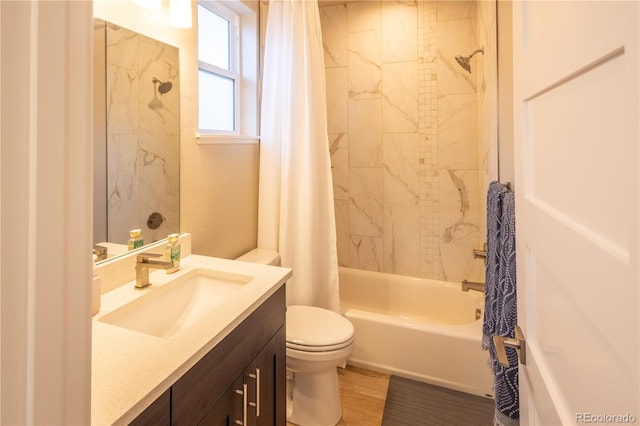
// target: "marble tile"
[[400, 162], [400, 95], [172, 167], [333, 20], [456, 38], [458, 148], [337, 99], [342, 231], [171, 100], [155, 195], [458, 264], [402, 239], [122, 47], [412, 206], [363, 15], [122, 186], [366, 253], [365, 70], [458, 198], [459, 219], [365, 132], [365, 196], [339, 149], [143, 142], [152, 126], [399, 31], [122, 100]]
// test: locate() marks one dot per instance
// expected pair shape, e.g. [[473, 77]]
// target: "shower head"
[[164, 87], [465, 61]]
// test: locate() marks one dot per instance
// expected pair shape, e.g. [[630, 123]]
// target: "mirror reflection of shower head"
[[164, 87], [465, 61]]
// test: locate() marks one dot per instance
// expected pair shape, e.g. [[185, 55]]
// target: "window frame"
[[234, 72]]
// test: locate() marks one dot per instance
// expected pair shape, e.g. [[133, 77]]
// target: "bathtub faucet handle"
[[470, 285], [480, 254]]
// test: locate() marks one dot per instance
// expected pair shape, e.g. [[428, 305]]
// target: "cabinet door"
[[266, 382], [199, 389], [228, 410]]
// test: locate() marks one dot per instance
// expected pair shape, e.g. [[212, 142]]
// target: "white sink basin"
[[173, 307]]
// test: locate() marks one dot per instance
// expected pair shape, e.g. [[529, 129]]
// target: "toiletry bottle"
[[172, 252], [135, 239], [95, 289]]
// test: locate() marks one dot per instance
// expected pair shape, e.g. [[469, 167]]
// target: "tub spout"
[[470, 285]]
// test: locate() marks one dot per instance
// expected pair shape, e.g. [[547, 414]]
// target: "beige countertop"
[[131, 369]]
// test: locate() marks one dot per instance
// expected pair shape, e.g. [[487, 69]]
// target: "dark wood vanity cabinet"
[[158, 413], [261, 381], [251, 357]]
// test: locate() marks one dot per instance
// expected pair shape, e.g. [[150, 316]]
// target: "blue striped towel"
[[500, 315]]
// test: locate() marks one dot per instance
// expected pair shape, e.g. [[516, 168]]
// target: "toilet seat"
[[311, 329], [328, 348]]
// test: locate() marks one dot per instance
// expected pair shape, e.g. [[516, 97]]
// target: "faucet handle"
[[100, 252], [146, 256]]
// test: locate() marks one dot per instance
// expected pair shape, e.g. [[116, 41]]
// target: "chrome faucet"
[[470, 285], [144, 263]]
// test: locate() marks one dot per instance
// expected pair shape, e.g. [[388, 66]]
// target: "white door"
[[576, 73]]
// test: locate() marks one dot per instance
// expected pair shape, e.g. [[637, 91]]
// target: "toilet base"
[[314, 399]]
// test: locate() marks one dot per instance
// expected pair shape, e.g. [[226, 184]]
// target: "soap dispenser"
[[172, 253], [135, 239]]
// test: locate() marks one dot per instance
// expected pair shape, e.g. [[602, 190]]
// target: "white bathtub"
[[425, 330]]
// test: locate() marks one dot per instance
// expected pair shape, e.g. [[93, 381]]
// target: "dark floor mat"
[[411, 403]]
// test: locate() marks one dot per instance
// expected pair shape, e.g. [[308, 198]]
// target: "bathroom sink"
[[168, 309]]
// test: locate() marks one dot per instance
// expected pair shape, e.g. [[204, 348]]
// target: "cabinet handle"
[[257, 403], [243, 392]]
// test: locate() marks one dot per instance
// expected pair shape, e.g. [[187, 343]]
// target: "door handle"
[[518, 343]]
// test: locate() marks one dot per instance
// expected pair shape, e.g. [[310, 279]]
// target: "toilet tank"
[[262, 256]]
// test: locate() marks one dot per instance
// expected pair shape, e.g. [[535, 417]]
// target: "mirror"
[[136, 138]]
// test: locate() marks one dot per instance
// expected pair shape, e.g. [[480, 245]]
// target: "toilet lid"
[[310, 328]]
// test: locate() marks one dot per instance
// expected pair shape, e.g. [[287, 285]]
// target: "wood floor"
[[363, 393]]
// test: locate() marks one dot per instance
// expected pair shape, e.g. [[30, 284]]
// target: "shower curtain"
[[296, 212]]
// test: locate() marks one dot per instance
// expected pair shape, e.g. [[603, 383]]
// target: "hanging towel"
[[495, 197], [500, 299]]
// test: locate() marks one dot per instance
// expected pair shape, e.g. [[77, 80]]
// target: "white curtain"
[[296, 214]]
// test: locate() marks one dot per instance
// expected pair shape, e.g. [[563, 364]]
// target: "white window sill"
[[227, 139]]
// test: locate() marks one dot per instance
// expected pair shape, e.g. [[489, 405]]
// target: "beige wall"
[[218, 183], [505, 65]]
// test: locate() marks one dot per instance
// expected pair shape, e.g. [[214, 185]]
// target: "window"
[[218, 76], [227, 70]]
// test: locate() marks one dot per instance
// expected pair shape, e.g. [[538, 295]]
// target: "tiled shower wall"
[[403, 129], [143, 135]]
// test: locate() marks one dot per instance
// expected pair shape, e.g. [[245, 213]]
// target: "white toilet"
[[318, 341]]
